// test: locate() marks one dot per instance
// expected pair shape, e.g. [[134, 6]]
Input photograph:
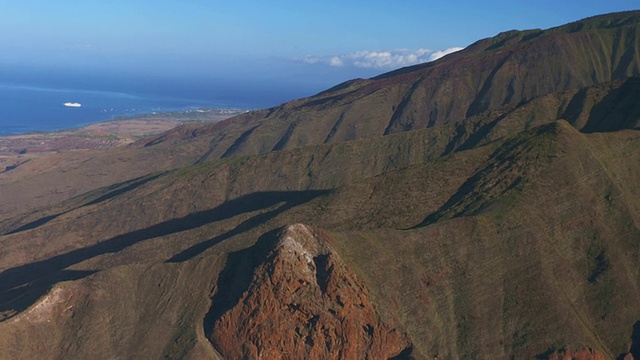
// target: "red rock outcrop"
[[303, 303]]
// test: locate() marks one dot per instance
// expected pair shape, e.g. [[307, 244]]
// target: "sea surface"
[[37, 104], [28, 108]]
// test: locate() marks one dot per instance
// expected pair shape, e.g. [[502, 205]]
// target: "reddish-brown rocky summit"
[[303, 303]]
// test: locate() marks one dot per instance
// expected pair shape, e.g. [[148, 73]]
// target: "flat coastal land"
[[16, 150]]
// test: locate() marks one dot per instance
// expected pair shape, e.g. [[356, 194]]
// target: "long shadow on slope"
[[468, 135], [453, 202], [124, 187], [619, 110], [467, 198], [34, 224], [290, 200], [634, 350], [20, 297], [116, 190], [236, 277], [22, 285], [635, 341]]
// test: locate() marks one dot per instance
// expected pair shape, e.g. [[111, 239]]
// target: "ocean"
[[28, 108], [31, 104]]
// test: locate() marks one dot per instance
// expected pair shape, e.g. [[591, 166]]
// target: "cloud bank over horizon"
[[388, 59]]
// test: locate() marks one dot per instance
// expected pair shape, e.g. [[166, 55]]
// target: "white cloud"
[[389, 59], [336, 61], [438, 54]]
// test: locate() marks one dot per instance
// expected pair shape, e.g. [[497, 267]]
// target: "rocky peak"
[[303, 302]]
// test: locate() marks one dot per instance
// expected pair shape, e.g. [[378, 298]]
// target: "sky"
[[311, 44]]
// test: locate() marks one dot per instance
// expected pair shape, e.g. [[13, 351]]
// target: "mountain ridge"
[[328, 117], [511, 230], [467, 222], [447, 90]]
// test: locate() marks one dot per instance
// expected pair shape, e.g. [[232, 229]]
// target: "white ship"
[[72, 104]]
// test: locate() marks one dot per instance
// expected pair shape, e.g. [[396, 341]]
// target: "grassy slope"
[[48, 180], [550, 263], [504, 72], [503, 234], [507, 70], [513, 265]]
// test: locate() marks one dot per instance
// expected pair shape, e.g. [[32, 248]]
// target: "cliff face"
[[304, 303]]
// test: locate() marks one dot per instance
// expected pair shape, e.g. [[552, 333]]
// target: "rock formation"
[[303, 303]]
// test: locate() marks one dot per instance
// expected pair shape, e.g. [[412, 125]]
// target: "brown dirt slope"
[[49, 179], [582, 72], [511, 230], [534, 237], [507, 70]]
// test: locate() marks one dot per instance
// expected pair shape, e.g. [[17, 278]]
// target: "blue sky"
[[312, 43]]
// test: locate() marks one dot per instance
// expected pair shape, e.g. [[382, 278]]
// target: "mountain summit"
[[506, 71], [480, 206]]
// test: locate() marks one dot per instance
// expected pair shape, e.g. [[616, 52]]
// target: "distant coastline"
[[17, 149], [58, 107], [177, 117]]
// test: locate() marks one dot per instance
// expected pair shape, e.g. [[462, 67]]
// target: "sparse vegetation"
[[478, 222]]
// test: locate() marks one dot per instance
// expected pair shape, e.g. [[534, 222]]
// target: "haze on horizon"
[[307, 46]]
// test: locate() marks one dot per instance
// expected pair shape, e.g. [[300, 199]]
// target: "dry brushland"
[[484, 205], [104, 135]]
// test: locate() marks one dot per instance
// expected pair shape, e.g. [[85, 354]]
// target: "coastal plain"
[[30, 163], [107, 134]]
